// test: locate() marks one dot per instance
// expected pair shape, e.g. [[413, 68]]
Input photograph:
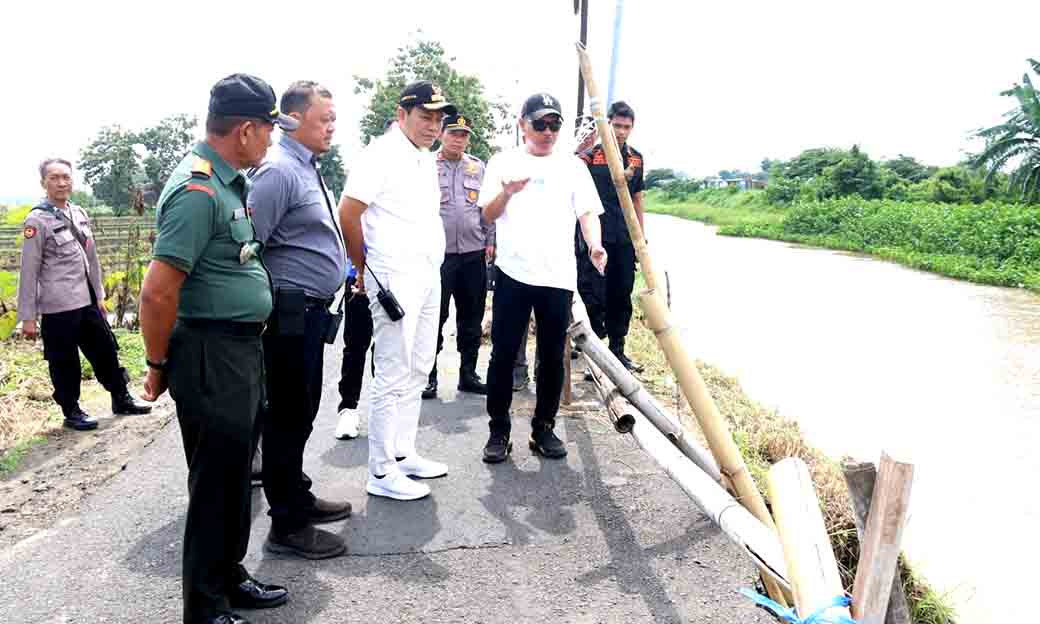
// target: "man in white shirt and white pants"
[[534, 195], [390, 215]]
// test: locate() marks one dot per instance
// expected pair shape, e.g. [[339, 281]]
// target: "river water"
[[867, 355]]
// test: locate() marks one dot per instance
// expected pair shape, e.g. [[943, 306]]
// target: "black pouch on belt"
[[335, 319], [289, 307]]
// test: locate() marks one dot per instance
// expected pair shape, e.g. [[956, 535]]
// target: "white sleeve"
[[367, 176], [492, 184], [585, 197]]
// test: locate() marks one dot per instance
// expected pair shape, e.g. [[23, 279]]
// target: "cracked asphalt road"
[[604, 536]]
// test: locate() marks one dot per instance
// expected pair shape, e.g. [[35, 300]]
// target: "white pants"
[[404, 352]]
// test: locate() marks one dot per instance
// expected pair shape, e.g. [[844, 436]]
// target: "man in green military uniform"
[[204, 304]]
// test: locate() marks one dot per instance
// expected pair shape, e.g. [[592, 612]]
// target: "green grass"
[[10, 459], [991, 243]]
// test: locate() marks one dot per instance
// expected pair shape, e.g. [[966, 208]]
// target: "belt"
[[231, 328], [315, 302]]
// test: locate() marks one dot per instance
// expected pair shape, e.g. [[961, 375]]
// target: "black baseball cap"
[[539, 105], [457, 122], [428, 95], [242, 95]]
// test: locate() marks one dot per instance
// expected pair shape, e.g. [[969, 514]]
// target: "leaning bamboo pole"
[[630, 388], [756, 540], [720, 440]]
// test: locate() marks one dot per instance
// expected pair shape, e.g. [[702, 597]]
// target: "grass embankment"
[[27, 411], [991, 243], [764, 438]]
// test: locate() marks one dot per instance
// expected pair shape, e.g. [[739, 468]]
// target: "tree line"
[[127, 169], [1007, 169]]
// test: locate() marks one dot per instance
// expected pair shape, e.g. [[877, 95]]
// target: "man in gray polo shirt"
[[304, 252]]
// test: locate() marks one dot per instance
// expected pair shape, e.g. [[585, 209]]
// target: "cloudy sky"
[[715, 85]]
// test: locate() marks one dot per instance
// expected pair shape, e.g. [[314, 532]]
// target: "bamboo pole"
[[860, 478], [811, 567], [620, 412], [635, 393], [720, 440], [879, 549], [756, 540]]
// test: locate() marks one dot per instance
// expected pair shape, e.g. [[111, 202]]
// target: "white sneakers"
[[421, 468], [395, 484], [347, 428]]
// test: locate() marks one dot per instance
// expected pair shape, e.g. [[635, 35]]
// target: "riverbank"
[[997, 244], [764, 438]]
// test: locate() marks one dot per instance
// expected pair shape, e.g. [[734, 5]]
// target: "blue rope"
[[789, 615]]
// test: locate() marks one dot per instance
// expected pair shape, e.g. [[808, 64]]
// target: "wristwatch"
[[159, 366]]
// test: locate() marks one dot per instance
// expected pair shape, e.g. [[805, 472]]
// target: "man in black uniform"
[[204, 303], [470, 245], [608, 298], [61, 281]]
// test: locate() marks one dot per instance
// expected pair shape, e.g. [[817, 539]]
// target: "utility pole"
[[582, 7]]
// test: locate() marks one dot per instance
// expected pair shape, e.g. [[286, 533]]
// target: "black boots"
[[617, 347], [75, 418], [124, 405], [469, 381], [545, 443], [430, 392]]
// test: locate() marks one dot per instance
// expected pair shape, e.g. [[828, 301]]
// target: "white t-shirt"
[[535, 234], [402, 224]]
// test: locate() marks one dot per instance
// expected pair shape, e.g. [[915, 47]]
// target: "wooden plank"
[[860, 478], [811, 567], [880, 546]]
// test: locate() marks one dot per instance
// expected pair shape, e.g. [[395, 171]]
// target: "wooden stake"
[[811, 567], [860, 478], [879, 548], [720, 440]]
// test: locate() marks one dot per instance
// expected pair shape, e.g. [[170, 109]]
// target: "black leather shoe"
[[519, 378], [627, 363], [124, 405], [545, 443], [227, 618], [252, 594], [327, 511], [430, 392], [497, 449], [77, 419], [308, 542], [470, 382]]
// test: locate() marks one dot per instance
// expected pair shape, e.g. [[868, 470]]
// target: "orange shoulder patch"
[[599, 158], [29, 231], [200, 187], [635, 161]]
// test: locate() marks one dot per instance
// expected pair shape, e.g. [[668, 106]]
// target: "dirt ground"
[[54, 476]]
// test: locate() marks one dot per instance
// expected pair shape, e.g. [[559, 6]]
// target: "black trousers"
[[357, 338], [217, 383], [511, 310], [64, 334], [464, 277], [608, 298], [294, 381]]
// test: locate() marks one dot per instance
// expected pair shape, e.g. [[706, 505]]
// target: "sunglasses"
[[540, 125]]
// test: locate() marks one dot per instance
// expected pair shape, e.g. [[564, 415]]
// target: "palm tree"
[[1018, 139]]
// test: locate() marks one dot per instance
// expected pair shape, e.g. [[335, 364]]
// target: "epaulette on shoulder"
[[201, 168], [473, 158]]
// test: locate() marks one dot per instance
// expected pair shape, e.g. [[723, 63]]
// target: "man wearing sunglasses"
[[534, 195]]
